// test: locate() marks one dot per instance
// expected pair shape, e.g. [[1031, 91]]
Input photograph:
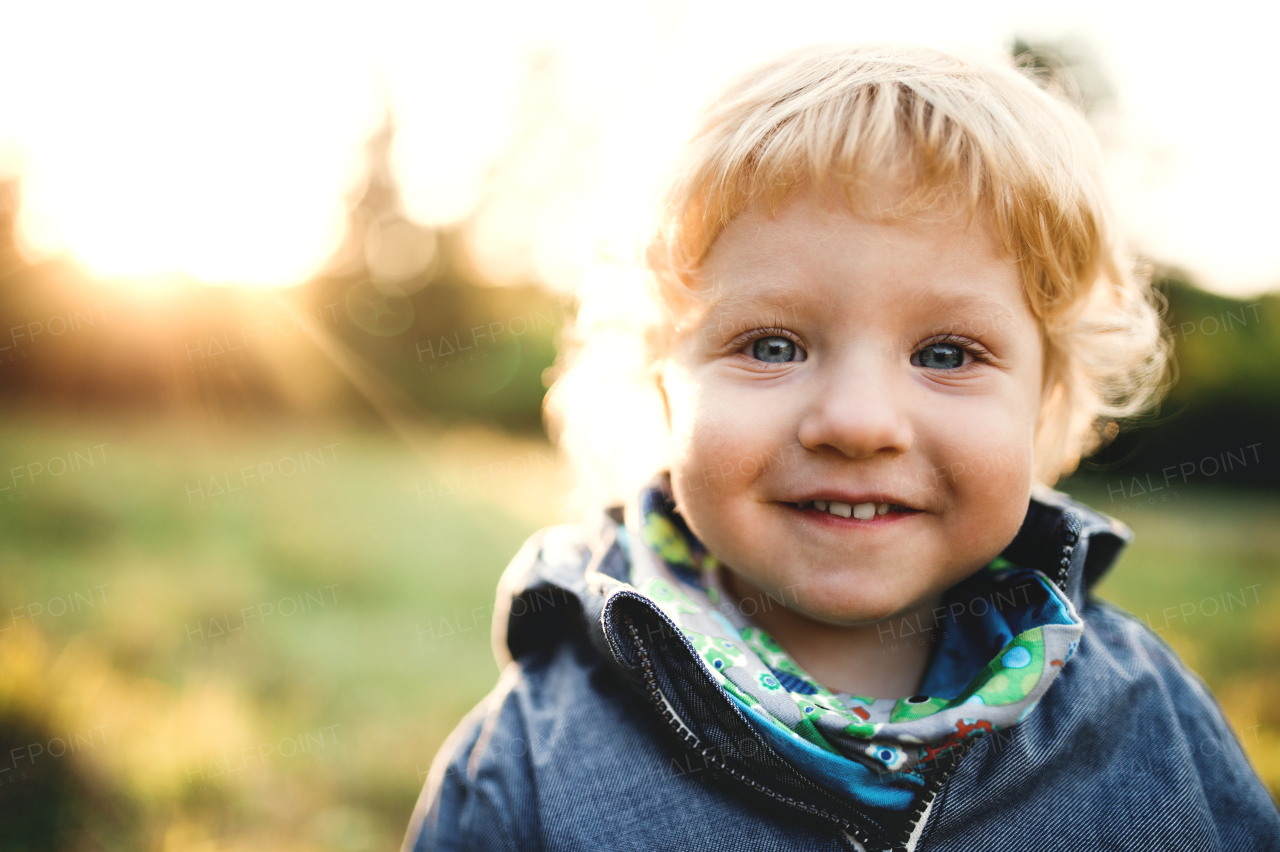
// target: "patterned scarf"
[[1006, 634]]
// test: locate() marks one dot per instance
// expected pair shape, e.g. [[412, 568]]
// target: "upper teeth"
[[861, 511]]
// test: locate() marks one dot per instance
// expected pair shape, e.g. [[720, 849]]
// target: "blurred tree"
[[417, 310], [51, 796], [397, 296], [1219, 421], [1069, 66], [1225, 402], [410, 304]]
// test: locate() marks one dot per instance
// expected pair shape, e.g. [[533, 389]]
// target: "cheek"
[[990, 448], [720, 441], [696, 434], [709, 424], [988, 469], [690, 429]]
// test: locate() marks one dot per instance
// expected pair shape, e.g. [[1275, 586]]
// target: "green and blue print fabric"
[[1002, 637]]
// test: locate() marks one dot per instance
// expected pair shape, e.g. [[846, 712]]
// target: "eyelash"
[[740, 345], [977, 351]]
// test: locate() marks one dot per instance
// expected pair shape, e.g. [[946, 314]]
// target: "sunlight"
[[220, 143]]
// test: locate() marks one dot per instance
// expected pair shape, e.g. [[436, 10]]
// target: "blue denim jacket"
[[605, 731]]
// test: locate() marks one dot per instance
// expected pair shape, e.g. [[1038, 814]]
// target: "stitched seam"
[[497, 698]]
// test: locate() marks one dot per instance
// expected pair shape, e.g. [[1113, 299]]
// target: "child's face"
[[854, 362]]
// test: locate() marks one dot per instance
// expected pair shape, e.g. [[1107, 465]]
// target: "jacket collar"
[[574, 580], [1064, 539]]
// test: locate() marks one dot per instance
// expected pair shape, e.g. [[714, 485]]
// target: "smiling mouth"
[[858, 511]]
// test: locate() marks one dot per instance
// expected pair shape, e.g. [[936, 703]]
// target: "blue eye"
[[939, 356], [775, 350]]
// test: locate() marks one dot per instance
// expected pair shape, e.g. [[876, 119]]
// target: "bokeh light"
[[216, 142], [350, 241]]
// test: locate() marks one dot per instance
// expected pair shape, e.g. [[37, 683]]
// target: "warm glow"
[[218, 142]]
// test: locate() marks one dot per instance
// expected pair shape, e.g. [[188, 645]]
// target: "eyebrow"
[[783, 298], [780, 298], [965, 305]]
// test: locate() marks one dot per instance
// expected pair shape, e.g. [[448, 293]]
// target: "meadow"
[[217, 637]]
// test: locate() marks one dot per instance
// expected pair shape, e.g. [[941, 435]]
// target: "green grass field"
[[274, 667]]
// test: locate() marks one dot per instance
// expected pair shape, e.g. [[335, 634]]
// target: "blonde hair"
[[960, 134]]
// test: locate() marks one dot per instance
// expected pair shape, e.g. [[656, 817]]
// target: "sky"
[[218, 142]]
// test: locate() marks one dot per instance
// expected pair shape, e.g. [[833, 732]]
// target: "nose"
[[858, 414]]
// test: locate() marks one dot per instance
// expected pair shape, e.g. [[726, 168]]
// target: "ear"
[[658, 373], [659, 379], [658, 344]]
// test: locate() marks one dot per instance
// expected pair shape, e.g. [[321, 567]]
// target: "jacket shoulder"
[[1128, 741], [512, 774], [563, 755], [1130, 648], [1201, 743], [463, 808], [545, 595], [477, 792]]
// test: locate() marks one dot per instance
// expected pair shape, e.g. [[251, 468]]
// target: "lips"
[[862, 511]]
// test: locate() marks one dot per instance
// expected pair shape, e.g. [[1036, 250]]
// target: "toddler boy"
[[848, 613]]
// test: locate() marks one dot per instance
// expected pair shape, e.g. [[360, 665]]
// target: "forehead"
[[946, 261]]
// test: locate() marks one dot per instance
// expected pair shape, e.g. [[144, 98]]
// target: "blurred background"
[[280, 290]]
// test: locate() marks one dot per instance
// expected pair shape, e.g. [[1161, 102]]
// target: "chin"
[[849, 596], [850, 612]]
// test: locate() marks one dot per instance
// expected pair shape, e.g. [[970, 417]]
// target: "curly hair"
[[963, 134]]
